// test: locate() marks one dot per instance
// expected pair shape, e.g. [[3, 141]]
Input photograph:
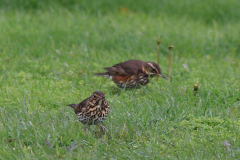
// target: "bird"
[[92, 110], [132, 73]]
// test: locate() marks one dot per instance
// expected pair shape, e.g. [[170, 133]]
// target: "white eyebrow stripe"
[[97, 95], [153, 66]]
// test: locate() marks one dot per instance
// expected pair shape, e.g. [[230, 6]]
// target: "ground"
[[50, 51]]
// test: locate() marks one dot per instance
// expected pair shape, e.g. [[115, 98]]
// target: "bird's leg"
[[85, 127], [102, 128]]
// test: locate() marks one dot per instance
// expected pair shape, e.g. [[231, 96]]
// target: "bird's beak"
[[161, 75]]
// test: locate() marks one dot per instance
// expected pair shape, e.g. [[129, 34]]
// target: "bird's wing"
[[82, 105], [127, 68]]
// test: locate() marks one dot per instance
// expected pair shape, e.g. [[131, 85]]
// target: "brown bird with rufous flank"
[[93, 110], [132, 73]]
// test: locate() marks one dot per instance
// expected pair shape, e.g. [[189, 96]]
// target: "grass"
[[49, 52]]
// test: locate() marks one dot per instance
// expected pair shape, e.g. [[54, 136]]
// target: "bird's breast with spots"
[[94, 115]]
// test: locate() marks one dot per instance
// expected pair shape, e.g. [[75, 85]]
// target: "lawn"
[[50, 51]]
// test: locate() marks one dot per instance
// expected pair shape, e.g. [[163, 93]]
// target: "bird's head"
[[152, 69], [97, 98]]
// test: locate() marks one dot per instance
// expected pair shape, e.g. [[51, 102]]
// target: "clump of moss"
[[215, 124]]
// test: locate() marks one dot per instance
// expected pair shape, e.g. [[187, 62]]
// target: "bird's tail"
[[105, 74], [72, 105]]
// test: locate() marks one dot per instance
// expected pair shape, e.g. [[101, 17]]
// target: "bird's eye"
[[94, 96], [154, 70]]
